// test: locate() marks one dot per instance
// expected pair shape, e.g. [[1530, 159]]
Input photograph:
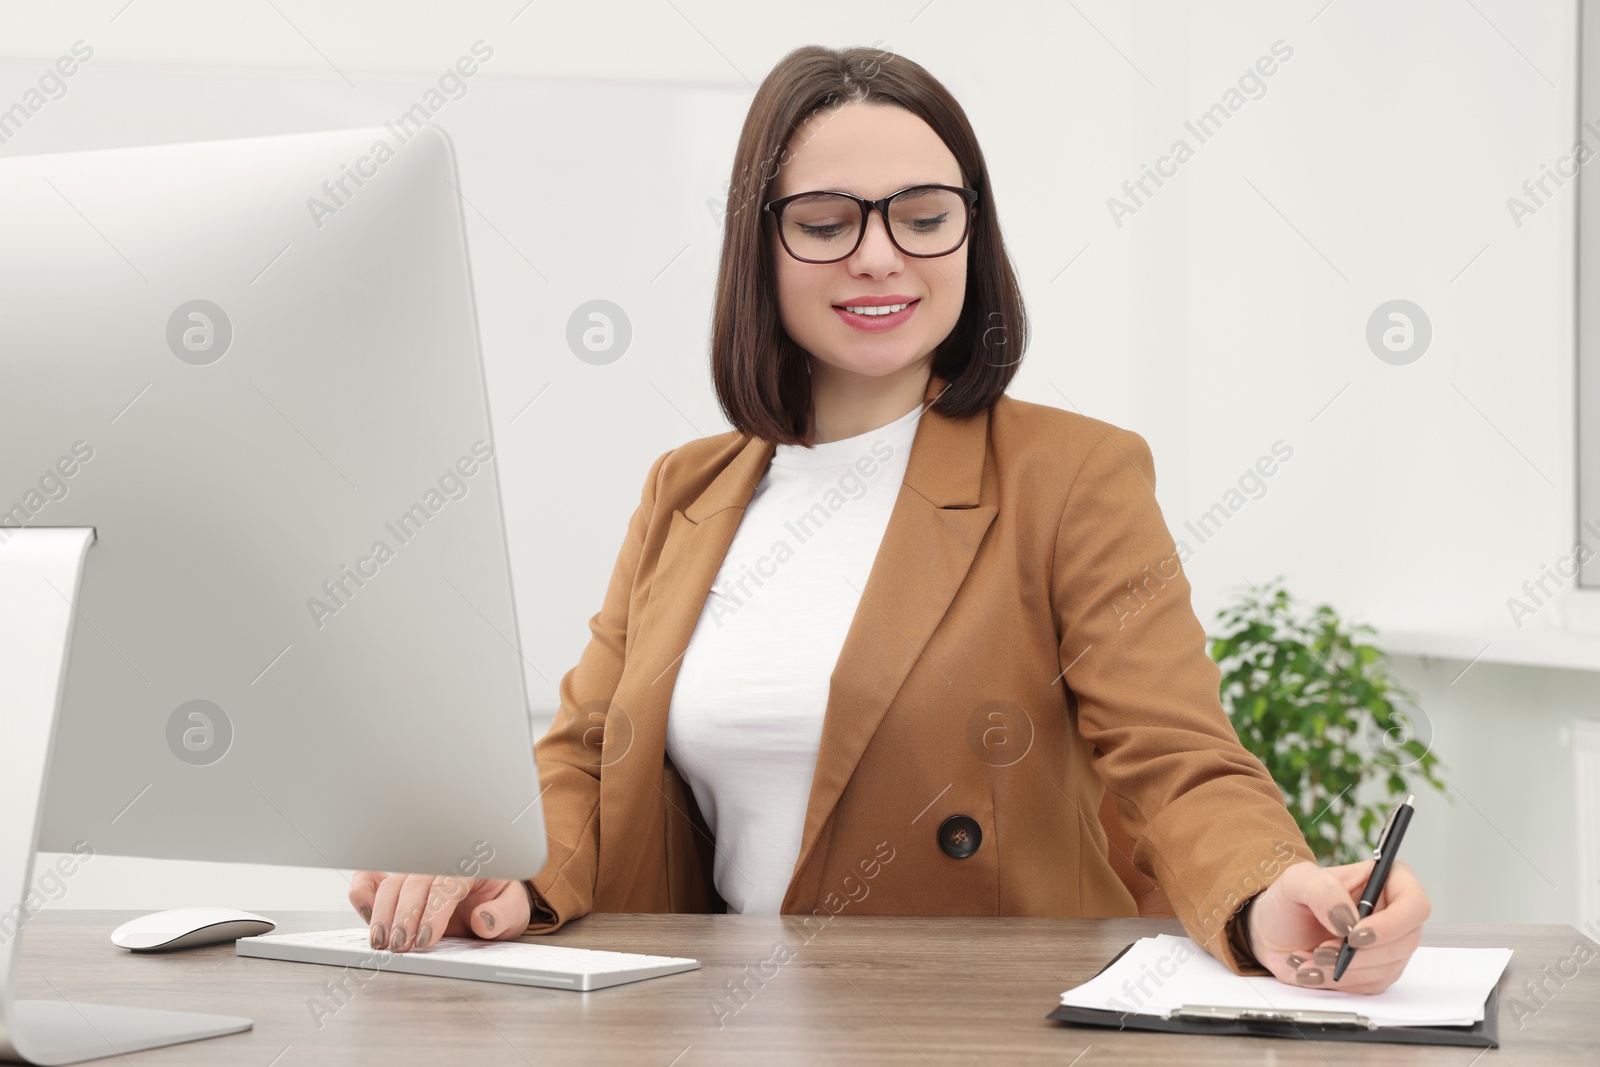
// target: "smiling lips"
[[875, 314]]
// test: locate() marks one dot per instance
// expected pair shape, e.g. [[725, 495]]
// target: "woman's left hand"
[[1300, 920]]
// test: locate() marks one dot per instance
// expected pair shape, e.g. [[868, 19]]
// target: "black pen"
[[1394, 828]]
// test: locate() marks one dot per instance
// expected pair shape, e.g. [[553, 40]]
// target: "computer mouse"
[[165, 931]]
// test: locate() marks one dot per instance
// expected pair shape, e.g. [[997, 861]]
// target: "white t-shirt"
[[747, 706]]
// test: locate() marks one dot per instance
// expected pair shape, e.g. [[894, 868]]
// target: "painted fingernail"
[[1326, 956], [1309, 976], [1294, 959], [380, 935], [366, 914], [398, 939], [424, 935], [1362, 936], [1343, 917], [488, 919]]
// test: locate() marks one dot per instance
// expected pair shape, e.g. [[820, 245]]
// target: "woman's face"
[[871, 151]]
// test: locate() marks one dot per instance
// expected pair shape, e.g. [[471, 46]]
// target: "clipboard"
[[1265, 1022]]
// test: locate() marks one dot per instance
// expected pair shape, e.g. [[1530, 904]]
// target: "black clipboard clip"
[[1195, 1012]]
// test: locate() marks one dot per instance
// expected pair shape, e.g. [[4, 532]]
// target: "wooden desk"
[[857, 990]]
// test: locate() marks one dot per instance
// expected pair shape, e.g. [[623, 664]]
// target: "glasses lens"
[[926, 222]]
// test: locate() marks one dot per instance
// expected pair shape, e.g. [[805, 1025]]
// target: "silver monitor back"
[[252, 366]]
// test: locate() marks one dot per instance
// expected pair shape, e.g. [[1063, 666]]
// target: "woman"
[[882, 647]]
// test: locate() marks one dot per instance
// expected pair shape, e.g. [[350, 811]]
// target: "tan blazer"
[[1024, 642]]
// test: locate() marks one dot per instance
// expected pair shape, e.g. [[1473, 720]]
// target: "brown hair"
[[761, 376]]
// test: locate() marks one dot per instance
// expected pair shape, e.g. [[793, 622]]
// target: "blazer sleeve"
[[568, 755], [1207, 820]]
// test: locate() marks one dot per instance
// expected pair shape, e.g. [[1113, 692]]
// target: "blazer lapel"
[[696, 543], [927, 549]]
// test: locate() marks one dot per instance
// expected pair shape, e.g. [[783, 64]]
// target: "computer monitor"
[[255, 596]]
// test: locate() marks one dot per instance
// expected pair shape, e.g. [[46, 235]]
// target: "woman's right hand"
[[413, 911]]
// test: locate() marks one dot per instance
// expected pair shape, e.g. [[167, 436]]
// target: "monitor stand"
[[40, 572]]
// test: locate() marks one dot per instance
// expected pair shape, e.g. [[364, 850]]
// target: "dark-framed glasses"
[[826, 226]]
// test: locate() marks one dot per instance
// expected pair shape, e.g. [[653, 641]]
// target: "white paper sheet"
[[1440, 986]]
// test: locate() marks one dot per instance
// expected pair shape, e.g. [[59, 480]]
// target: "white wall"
[[1221, 316]]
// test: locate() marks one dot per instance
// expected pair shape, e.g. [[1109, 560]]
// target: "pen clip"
[[1388, 824]]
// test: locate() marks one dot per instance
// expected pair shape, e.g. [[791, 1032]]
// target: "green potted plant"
[[1317, 705]]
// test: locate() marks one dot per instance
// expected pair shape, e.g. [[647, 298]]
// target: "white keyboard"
[[514, 962]]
